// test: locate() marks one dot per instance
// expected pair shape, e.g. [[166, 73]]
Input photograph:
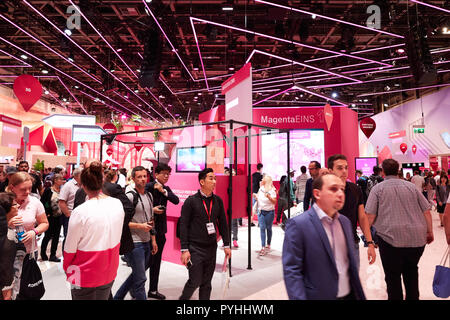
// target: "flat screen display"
[[191, 159], [305, 146], [365, 165]]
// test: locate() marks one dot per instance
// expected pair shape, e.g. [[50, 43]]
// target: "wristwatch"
[[370, 242]]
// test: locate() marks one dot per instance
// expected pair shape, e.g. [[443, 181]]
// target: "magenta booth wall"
[[342, 138]]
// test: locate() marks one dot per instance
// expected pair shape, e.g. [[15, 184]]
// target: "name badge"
[[210, 228]]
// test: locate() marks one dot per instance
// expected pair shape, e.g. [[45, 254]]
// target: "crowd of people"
[[107, 215]]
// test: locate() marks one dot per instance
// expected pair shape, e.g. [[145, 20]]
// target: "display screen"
[[365, 165], [406, 171], [305, 146], [191, 159]]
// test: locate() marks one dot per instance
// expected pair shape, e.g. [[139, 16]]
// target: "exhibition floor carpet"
[[265, 280]]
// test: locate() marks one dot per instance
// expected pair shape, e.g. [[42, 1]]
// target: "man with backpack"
[[143, 234], [374, 179]]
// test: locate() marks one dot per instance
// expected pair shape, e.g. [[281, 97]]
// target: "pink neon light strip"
[[394, 91], [287, 41], [121, 59], [428, 5], [94, 99], [304, 90], [148, 90], [51, 66], [26, 65], [168, 40], [200, 54], [329, 18], [76, 44], [103, 38], [306, 65], [62, 105], [49, 48]]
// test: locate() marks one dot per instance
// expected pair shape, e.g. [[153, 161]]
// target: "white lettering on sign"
[[296, 119], [28, 89]]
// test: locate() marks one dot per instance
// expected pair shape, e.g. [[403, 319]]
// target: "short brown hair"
[[92, 177], [390, 167]]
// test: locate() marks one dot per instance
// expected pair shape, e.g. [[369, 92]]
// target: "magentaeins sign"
[[308, 118]]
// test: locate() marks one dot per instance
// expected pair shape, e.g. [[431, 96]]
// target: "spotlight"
[[136, 91], [231, 68], [401, 51], [77, 87], [148, 1], [68, 32], [44, 71], [64, 99], [24, 56], [71, 58], [353, 105], [385, 105], [313, 16], [46, 92], [334, 94], [112, 69]]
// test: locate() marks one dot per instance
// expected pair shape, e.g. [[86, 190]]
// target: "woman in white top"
[[91, 252], [266, 198]]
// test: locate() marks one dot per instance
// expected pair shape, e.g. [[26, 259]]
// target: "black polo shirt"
[[353, 199]]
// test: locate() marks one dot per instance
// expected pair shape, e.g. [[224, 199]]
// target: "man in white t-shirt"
[[418, 181], [437, 178]]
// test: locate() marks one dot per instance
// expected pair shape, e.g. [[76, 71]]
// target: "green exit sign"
[[419, 130]]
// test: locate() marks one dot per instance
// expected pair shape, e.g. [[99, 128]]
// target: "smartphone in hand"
[[189, 264]]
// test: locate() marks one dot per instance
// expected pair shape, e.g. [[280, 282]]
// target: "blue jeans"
[[139, 261], [265, 220]]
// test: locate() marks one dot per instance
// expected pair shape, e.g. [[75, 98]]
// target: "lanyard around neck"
[[210, 209]]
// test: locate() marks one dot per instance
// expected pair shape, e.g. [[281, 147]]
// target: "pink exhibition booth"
[[206, 144]]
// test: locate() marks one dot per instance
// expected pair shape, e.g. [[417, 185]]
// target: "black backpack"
[[31, 283]]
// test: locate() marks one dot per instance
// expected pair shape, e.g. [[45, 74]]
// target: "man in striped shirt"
[[403, 223]]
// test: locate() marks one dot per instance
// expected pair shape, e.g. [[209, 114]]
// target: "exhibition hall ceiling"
[[303, 53]]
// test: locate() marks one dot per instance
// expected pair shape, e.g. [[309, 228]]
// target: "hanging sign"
[[367, 126], [328, 112], [403, 147], [138, 146], [28, 90], [110, 128], [414, 149], [109, 150]]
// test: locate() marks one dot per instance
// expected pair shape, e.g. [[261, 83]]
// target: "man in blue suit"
[[318, 258]]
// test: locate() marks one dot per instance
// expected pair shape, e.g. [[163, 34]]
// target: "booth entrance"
[[191, 148]]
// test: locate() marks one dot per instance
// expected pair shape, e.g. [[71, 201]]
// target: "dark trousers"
[[155, 262], [97, 293], [282, 205], [398, 263], [201, 273], [65, 225], [52, 234]]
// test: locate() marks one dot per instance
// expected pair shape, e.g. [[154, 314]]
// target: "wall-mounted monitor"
[[191, 159]]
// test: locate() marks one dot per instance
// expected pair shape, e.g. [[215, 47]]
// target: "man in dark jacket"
[[161, 194], [314, 171], [201, 215]]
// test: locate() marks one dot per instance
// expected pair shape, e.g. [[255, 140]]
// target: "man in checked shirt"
[[403, 223]]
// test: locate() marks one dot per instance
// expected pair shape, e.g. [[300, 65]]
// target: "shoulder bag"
[[441, 281]]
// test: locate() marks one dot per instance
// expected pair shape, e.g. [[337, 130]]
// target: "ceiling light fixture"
[[24, 56], [44, 71], [68, 32]]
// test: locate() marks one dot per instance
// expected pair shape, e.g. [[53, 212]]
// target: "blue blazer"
[[309, 267]]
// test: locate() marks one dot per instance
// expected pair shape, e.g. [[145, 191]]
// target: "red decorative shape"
[[109, 150], [403, 147], [138, 146], [110, 128], [28, 90], [328, 112], [367, 126], [414, 148]]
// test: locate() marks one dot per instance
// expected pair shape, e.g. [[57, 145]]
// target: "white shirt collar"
[[201, 192], [322, 215]]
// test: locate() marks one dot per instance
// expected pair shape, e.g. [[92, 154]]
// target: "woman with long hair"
[[91, 251], [442, 193], [31, 216], [266, 198]]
